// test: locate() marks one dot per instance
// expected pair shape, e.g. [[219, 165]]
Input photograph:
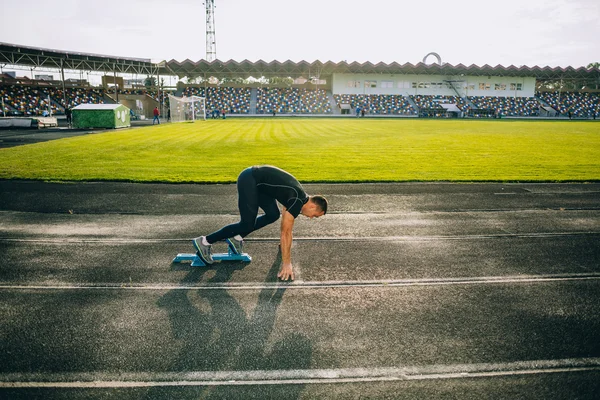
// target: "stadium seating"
[[377, 104], [292, 101], [79, 96], [228, 99], [580, 105], [508, 106], [29, 100]]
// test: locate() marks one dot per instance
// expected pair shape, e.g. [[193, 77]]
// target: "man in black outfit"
[[264, 186], [69, 115]]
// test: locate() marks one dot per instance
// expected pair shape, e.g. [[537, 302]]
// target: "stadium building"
[[298, 88]]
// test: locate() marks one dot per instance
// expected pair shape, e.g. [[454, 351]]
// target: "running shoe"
[[202, 250], [236, 246]]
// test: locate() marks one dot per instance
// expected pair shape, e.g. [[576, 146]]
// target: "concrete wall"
[[130, 101]]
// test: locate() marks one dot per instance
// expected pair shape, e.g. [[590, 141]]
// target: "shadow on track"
[[216, 334]]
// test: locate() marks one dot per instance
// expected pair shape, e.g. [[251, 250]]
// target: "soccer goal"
[[187, 108]]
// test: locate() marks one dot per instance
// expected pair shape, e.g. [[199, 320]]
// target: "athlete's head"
[[315, 207], [320, 201]]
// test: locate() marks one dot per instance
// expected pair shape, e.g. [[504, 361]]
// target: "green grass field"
[[320, 150]]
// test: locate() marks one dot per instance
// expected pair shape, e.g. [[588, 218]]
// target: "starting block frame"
[[218, 257]]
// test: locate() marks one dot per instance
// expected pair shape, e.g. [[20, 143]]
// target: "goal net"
[[187, 108]]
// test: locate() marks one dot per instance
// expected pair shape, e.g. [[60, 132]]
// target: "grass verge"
[[320, 150]]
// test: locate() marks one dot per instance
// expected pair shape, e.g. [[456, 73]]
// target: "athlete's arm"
[[287, 224]]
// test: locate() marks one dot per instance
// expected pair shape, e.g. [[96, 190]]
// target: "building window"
[[387, 84], [484, 86], [500, 86], [370, 84], [354, 84], [516, 86]]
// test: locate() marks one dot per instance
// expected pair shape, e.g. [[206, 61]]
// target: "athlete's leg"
[[272, 213], [248, 206]]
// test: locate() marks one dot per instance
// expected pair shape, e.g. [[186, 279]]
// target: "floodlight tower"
[[211, 41]]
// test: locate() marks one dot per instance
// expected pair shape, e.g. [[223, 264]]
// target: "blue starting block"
[[197, 262]]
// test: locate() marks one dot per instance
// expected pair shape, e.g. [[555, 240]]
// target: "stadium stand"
[[376, 104], [23, 100], [508, 106], [228, 99], [76, 96], [29, 100], [580, 105], [292, 101]]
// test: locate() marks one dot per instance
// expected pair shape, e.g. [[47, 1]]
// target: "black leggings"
[[249, 200]]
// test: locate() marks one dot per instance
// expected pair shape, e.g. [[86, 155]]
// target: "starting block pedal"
[[197, 262]]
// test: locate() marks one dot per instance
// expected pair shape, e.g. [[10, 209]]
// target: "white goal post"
[[187, 108]]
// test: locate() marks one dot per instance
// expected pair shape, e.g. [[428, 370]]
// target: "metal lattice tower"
[[211, 41]]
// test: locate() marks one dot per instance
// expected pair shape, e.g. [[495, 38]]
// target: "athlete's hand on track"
[[286, 272]]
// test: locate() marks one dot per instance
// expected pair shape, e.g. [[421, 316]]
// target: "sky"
[[507, 32]]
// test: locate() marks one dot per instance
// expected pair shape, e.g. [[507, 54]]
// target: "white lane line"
[[297, 376], [408, 238], [299, 284]]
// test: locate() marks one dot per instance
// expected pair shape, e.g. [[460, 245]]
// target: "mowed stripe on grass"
[[320, 150]]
